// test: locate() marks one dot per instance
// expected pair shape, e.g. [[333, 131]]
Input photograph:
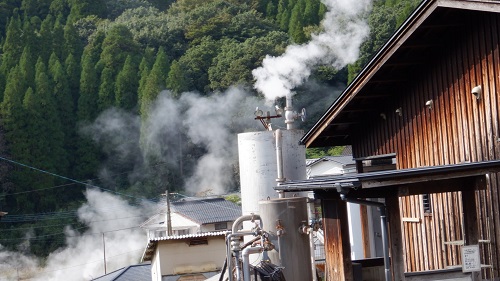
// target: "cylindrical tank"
[[258, 165], [282, 219]]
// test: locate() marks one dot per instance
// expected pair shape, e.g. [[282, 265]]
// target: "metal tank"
[[259, 165], [285, 219]]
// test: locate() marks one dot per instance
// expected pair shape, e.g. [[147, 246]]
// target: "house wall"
[[178, 257], [458, 128]]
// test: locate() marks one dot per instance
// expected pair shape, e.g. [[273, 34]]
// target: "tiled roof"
[[210, 210], [138, 272], [343, 160]]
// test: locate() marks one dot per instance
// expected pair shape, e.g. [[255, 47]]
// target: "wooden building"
[[429, 100]]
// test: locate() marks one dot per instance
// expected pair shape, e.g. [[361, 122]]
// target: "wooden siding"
[[458, 128]]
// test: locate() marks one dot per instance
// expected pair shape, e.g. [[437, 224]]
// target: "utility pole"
[[169, 220], [104, 247]]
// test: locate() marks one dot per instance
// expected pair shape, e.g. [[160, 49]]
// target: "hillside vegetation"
[[65, 62]]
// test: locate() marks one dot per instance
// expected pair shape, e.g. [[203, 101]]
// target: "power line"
[[63, 177], [41, 237]]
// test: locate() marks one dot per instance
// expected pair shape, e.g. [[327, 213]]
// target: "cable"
[[59, 233], [63, 177], [64, 224]]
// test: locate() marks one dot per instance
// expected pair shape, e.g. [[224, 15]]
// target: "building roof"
[[138, 272], [210, 210], [413, 46], [395, 182], [342, 160]]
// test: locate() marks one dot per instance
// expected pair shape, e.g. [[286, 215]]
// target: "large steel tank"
[[282, 218], [258, 164]]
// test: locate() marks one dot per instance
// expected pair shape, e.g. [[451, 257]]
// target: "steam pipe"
[[383, 224], [235, 244], [229, 249], [279, 160], [243, 218], [289, 114], [246, 260]]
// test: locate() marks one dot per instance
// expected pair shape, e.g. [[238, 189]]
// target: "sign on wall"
[[471, 260]]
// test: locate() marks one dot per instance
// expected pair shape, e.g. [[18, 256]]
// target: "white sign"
[[471, 260]]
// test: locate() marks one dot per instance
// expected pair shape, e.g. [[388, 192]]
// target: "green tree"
[[27, 67], [72, 68], [155, 82], [296, 27], [13, 45], [106, 90], [126, 86], [177, 81], [117, 45]]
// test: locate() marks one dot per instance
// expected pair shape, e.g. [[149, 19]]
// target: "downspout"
[[383, 223], [246, 260], [279, 161]]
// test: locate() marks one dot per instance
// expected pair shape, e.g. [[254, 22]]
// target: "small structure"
[[196, 250], [192, 216], [189, 257]]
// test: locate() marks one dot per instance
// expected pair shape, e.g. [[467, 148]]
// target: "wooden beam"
[[423, 178], [395, 239], [337, 245], [471, 228]]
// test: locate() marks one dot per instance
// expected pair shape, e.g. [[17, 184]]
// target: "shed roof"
[[138, 272], [210, 210], [396, 182], [415, 44]]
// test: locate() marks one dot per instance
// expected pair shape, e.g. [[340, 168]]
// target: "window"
[[426, 203], [221, 226], [182, 232]]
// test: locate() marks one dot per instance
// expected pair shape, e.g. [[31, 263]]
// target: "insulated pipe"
[[229, 256], [383, 224], [289, 114], [279, 160], [246, 260], [243, 218], [234, 243]]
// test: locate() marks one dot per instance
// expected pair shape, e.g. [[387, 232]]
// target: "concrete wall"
[[178, 257]]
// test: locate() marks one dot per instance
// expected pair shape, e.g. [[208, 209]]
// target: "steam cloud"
[[344, 31], [208, 122]]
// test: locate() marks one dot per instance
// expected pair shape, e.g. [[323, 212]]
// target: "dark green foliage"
[[155, 82], [126, 86], [65, 62]]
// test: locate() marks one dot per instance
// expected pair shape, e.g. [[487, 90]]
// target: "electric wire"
[[67, 178], [40, 237]]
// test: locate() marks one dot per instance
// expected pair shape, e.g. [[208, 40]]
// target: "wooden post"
[[337, 246], [471, 231], [395, 236]]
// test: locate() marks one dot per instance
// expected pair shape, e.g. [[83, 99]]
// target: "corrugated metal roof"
[[138, 272], [210, 210], [151, 246], [187, 236]]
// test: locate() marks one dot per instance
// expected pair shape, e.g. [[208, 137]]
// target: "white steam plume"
[[83, 257], [209, 122], [344, 29]]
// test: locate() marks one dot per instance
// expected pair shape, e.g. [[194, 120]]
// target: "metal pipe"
[[383, 224], [246, 260], [289, 114], [310, 208], [279, 160], [230, 242], [234, 243], [243, 218]]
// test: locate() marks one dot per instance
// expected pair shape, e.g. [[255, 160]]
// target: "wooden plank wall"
[[458, 128]]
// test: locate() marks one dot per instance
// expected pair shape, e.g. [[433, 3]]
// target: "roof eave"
[[420, 14]]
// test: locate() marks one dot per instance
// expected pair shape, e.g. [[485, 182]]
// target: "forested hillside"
[[65, 62]]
